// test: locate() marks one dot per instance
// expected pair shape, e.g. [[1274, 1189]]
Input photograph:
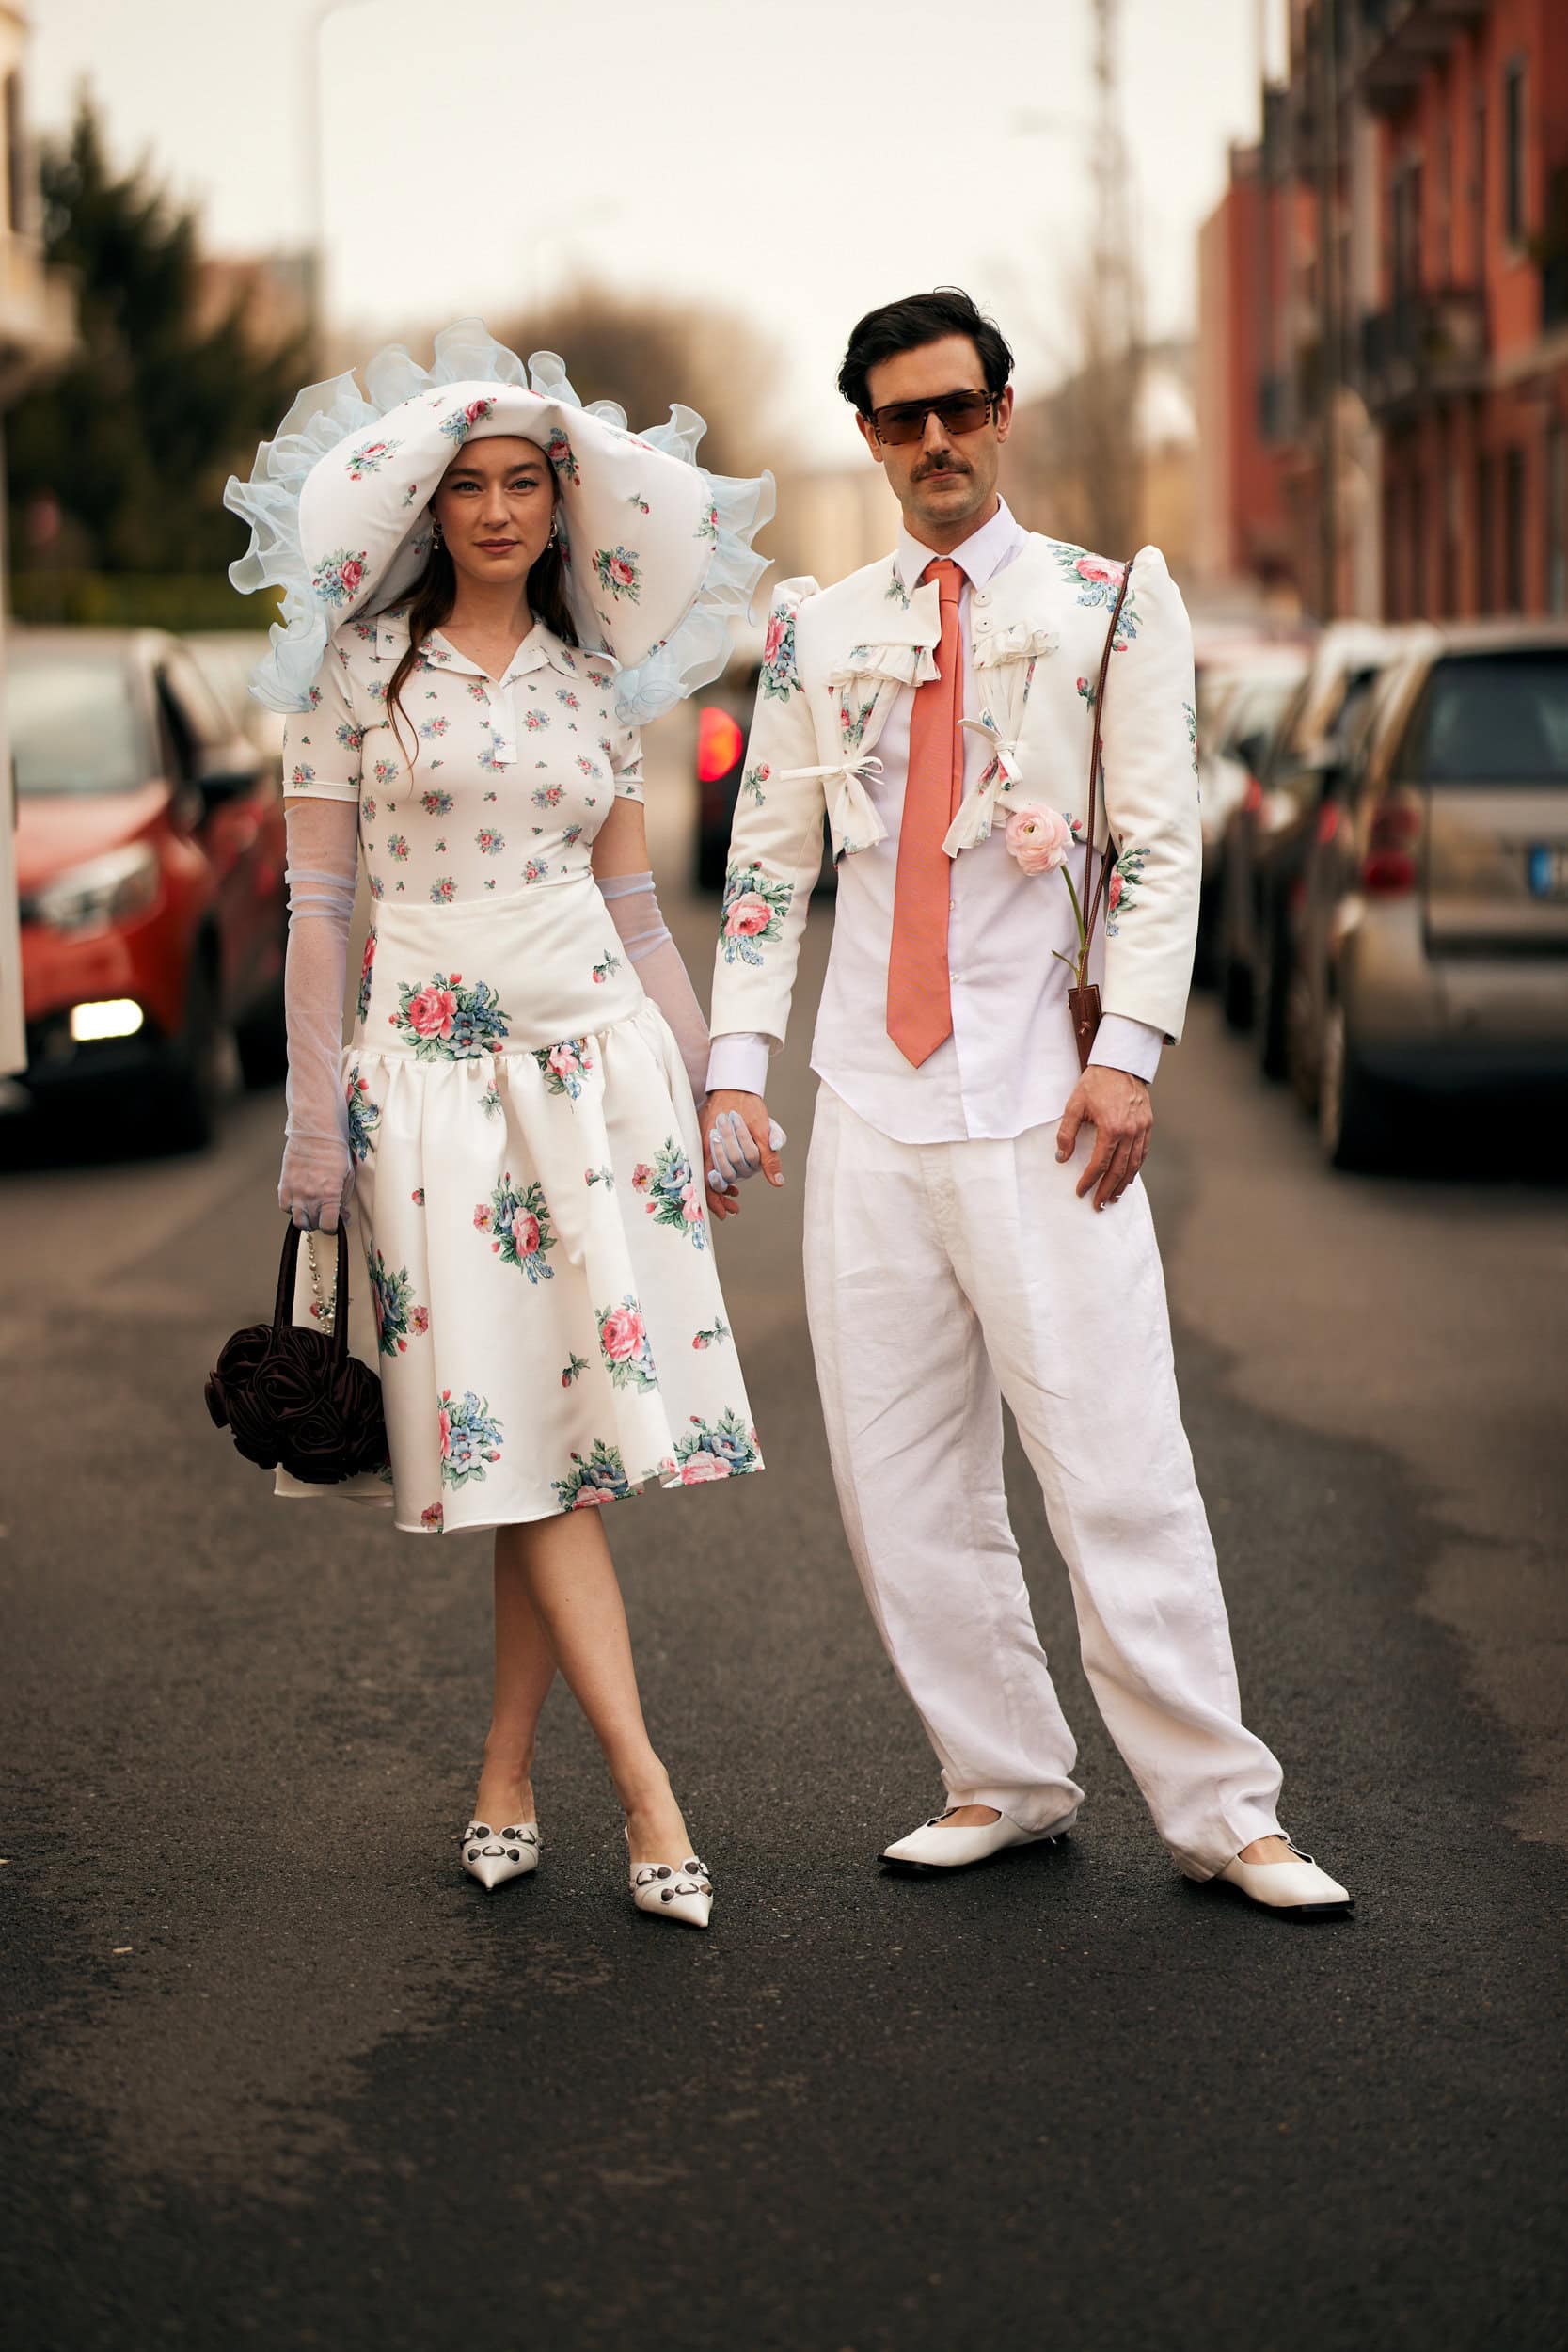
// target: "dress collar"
[[540, 649], [979, 556]]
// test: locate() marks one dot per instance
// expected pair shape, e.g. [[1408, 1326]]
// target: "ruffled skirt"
[[537, 1286]]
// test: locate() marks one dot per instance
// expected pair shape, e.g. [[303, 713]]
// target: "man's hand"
[[1119, 1110], [750, 1112]]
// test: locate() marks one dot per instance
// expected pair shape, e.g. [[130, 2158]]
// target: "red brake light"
[[1328, 823], [1389, 874], [1389, 870], [719, 743], [1252, 799]]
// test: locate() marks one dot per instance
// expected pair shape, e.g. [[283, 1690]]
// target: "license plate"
[[1546, 866]]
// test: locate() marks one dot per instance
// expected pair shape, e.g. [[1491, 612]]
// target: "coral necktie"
[[919, 1006]]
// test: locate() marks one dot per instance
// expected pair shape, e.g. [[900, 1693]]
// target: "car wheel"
[[261, 1040], [202, 1067], [1236, 996], [1355, 1124], [1271, 999], [1301, 1066]]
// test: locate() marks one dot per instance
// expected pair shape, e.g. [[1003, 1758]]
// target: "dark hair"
[[434, 593], [918, 319]]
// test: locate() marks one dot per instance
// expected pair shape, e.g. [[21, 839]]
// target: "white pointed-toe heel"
[[683, 1891], [495, 1855], [1296, 1889]]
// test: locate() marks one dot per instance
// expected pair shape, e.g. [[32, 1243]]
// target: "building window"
[[1556, 518], [1486, 599], [1513, 152], [1513, 529]]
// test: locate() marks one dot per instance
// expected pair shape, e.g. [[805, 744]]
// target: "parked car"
[[1267, 833], [723, 727], [1433, 934], [1237, 710], [227, 657], [149, 863]]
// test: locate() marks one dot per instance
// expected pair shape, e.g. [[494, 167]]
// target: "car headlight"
[[105, 890]]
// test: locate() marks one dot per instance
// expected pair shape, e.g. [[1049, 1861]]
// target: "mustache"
[[940, 464]]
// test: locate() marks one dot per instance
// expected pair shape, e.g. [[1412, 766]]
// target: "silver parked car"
[[1431, 954]]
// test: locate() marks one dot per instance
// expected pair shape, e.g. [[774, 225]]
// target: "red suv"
[[150, 850]]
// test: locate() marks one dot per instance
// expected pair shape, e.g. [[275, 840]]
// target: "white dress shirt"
[[982, 1080]]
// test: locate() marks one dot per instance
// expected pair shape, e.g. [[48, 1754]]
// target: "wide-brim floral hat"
[[658, 551]]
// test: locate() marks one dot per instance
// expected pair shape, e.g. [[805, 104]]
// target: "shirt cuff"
[[738, 1061], [1123, 1043]]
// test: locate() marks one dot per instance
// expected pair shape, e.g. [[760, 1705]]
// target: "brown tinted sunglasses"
[[905, 420]]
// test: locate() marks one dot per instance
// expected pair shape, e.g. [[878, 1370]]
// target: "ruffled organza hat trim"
[[659, 556]]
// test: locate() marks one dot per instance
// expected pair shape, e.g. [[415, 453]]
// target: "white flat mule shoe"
[[1297, 1889], [495, 1855], [934, 1847], [684, 1893]]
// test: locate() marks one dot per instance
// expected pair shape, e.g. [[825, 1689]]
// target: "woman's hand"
[[316, 1182], [739, 1138]]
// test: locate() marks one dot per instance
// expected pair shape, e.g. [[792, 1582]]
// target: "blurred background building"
[[1382, 394]]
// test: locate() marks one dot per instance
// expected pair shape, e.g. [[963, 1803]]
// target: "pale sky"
[[797, 159]]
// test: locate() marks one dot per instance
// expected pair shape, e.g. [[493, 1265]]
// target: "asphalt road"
[[279, 2073]]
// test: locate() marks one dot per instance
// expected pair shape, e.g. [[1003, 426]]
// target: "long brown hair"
[[434, 593]]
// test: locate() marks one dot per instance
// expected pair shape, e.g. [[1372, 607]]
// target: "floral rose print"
[[349, 735], [300, 777], [417, 1196], [599, 677], [370, 457], [752, 913], [624, 1344], [779, 677], [1127, 876], [715, 1337], [753, 782], [534, 720], [489, 842], [432, 728], [367, 807], [606, 965], [536, 869], [490, 1103], [585, 764], [364, 1118], [437, 803], [558, 448], [548, 795], [564, 1067], [386, 771], [518, 1222], [445, 1021], [896, 592], [574, 1365], [564, 694], [606, 1176], [599, 1478], [397, 847], [363, 1003], [462, 421], [707, 524], [338, 577], [722, 1449], [470, 1438], [443, 891], [433, 1519], [671, 1192], [391, 1294], [1190, 715], [1097, 580], [616, 570]]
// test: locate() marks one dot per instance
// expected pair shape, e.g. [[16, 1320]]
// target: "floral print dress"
[[541, 1295]]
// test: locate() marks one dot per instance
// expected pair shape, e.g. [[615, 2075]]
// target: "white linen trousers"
[[941, 1278]]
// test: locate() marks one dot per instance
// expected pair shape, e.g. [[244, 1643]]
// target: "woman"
[[513, 1119]]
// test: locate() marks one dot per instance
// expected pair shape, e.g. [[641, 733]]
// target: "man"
[[957, 1246]]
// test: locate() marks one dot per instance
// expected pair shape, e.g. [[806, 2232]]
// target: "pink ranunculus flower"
[[1095, 567], [563, 1060], [1039, 839], [621, 1334], [773, 640], [431, 1012], [590, 1499], [642, 1176], [702, 1469], [1112, 897], [525, 1233], [352, 573], [750, 915], [691, 1204], [622, 571]]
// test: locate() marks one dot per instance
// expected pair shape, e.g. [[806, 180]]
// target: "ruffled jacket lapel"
[[896, 633]]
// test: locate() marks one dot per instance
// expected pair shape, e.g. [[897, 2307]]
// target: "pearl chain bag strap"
[[1083, 1001]]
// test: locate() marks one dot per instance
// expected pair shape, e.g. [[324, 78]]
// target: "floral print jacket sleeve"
[[1150, 765], [776, 843]]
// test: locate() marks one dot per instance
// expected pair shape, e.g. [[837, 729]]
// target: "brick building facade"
[[1407, 347]]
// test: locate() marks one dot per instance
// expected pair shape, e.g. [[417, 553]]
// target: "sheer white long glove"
[[633, 904], [733, 1151], [323, 855]]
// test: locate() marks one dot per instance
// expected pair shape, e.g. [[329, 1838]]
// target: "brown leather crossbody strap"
[[1091, 906]]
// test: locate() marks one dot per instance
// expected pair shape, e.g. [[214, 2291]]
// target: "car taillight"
[[1252, 799], [1389, 868], [719, 743], [1328, 823]]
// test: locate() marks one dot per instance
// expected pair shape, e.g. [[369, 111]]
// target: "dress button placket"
[[503, 734]]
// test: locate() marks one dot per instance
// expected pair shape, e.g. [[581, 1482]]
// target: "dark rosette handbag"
[[292, 1394]]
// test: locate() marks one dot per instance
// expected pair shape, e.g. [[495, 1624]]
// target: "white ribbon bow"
[[851, 812], [978, 814]]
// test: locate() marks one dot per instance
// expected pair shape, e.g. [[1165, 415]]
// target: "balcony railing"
[[1428, 346]]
